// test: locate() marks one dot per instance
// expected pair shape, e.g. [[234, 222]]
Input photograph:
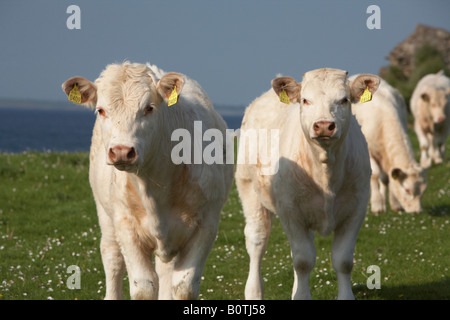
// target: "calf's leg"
[[112, 258], [394, 202], [303, 256], [138, 259], [377, 189], [164, 271], [190, 262], [342, 250], [425, 160], [258, 223], [303, 251], [439, 148]]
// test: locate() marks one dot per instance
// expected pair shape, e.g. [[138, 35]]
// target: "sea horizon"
[[61, 126]]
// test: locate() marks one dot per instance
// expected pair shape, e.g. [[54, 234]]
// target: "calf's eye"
[[149, 109], [344, 101], [305, 102], [101, 111]]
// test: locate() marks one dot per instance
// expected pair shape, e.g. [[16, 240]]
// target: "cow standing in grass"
[[383, 121], [146, 203], [430, 106], [320, 181]]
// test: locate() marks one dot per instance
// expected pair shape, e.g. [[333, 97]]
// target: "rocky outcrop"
[[403, 55]]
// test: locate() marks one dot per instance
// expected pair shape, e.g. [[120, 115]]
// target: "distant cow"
[[323, 178], [145, 203], [383, 121], [430, 106]]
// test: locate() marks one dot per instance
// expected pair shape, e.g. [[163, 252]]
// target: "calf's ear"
[[425, 97], [167, 83], [87, 89], [359, 85], [397, 173], [289, 85]]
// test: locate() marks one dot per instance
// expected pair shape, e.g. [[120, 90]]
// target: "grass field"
[[48, 223]]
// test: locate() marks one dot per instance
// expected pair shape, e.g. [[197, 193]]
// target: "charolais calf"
[[430, 106], [383, 122], [321, 181], [147, 204]]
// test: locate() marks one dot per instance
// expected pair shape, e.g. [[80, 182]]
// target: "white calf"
[[322, 180], [145, 203], [430, 106], [383, 122]]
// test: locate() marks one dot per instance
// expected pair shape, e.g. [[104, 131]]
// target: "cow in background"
[[383, 122], [430, 106]]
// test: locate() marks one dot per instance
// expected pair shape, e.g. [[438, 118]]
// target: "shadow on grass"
[[437, 211], [438, 290]]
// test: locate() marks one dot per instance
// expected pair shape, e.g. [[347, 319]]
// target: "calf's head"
[[325, 97], [129, 100], [408, 185], [436, 102]]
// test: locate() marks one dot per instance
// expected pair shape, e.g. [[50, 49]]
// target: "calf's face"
[[408, 186], [436, 102], [128, 100], [325, 97]]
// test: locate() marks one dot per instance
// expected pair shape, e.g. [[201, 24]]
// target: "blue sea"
[[59, 127]]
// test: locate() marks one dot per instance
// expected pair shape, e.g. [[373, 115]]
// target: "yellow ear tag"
[[173, 97], [75, 95], [366, 96], [284, 97]]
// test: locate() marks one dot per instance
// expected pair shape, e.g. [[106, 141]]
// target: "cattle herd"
[[340, 141]]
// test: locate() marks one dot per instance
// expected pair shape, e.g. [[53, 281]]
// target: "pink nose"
[[122, 154], [324, 128], [441, 119]]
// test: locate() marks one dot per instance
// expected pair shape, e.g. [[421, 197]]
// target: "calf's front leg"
[[144, 284], [303, 253], [190, 261], [342, 250], [112, 258], [258, 223], [377, 189]]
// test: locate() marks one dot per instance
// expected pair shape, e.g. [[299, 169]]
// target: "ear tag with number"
[[366, 96], [173, 97], [284, 97], [75, 95]]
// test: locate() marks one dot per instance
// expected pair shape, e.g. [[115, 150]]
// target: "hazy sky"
[[233, 48]]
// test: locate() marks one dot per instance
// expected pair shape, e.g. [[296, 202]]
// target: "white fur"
[[383, 121]]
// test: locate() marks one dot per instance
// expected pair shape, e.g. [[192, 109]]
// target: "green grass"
[[48, 222]]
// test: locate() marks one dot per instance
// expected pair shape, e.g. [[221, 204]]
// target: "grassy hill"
[[48, 223]]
